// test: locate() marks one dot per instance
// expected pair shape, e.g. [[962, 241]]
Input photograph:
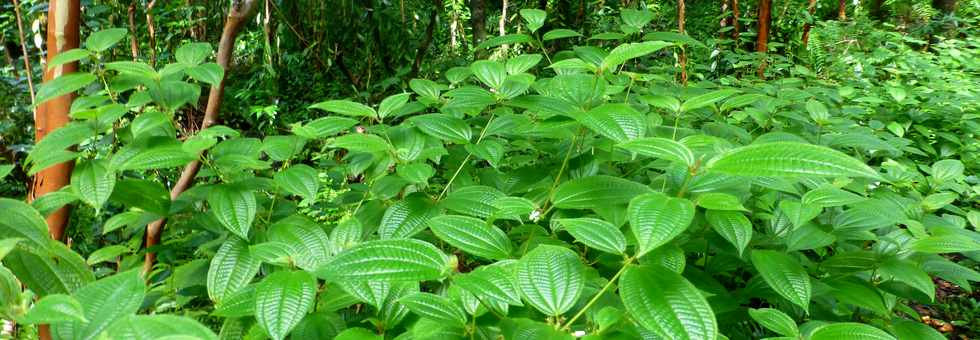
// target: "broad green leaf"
[[596, 233], [345, 107], [475, 200], [231, 269], [850, 331], [318, 325], [52, 309], [151, 156], [238, 304], [5, 170], [142, 71], [560, 33], [146, 195], [21, 220], [8, 244], [68, 56], [938, 200], [908, 329], [58, 270], [472, 235], [392, 104], [491, 73], [522, 63], [789, 159], [719, 201], [514, 208], [106, 254], [618, 122], [775, 320], [444, 127], [361, 142], [323, 127], [785, 275], [664, 302], [830, 196], [300, 180], [798, 213], [434, 307], [388, 260], [234, 207], [857, 292], [104, 39], [731, 225], [52, 201], [407, 217], [159, 326], [947, 170], [282, 148], [495, 282], [600, 190], [580, 90], [309, 243], [62, 85], [625, 52], [655, 219], [551, 279], [358, 333], [909, 273], [740, 101], [534, 18], [706, 99], [93, 181], [210, 73], [508, 39], [193, 53], [282, 300], [661, 148], [941, 244], [104, 302], [818, 112]]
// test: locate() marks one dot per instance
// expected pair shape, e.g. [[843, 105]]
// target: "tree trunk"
[[501, 25], [682, 59], [877, 11], [944, 6], [841, 10], [736, 25], [424, 46], [238, 15], [152, 30], [812, 7], [62, 35], [133, 44], [762, 44], [478, 21]]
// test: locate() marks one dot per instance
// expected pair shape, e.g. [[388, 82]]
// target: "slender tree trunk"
[[762, 44], [841, 10], [23, 50], [238, 15], [133, 44], [812, 7], [682, 59], [8, 57], [736, 24], [453, 42], [501, 26], [478, 21], [152, 30], [876, 11], [724, 20], [424, 46]]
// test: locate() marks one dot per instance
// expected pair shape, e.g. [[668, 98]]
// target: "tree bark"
[[501, 25], [424, 46], [682, 59], [133, 44], [841, 10], [478, 21], [8, 57], [812, 7], [762, 44], [238, 15], [153, 32], [736, 25], [944, 6]]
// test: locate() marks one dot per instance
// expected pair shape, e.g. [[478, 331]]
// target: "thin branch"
[[23, 49]]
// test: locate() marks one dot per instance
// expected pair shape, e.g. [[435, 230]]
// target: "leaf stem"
[[595, 298], [465, 160]]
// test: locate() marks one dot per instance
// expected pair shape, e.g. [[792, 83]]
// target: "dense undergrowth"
[[534, 194]]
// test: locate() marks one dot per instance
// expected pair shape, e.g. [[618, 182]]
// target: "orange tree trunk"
[[682, 60], [62, 36], [842, 10], [812, 7], [762, 44], [238, 15]]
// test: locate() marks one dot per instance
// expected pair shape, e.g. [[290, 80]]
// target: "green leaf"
[[521, 63], [785, 275], [938, 200], [159, 326], [909, 273], [830, 196], [237, 304], [282, 300], [551, 279], [193, 53], [667, 304], [908, 329], [514, 208], [444, 127], [624, 52], [508, 39], [234, 207], [942, 244], [661, 148], [731, 225], [104, 39], [655, 219], [387, 260], [324, 127], [209, 73], [798, 213], [706, 99], [407, 217], [596, 233], [7, 244], [361, 142], [104, 302], [490, 72], [472, 235], [494, 282], [21, 220], [475, 200], [231, 269], [147, 195], [560, 33], [106, 254], [63, 85], [282, 148], [5, 170], [58, 270], [615, 121], [850, 331], [719, 201], [534, 18], [53, 309], [345, 107], [168, 154], [300, 180], [142, 71], [93, 181], [68, 56], [52, 201], [789, 159], [600, 190], [309, 243], [358, 333], [776, 321], [818, 112], [947, 170], [435, 307], [392, 103]]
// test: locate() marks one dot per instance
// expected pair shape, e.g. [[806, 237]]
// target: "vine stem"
[[465, 160], [595, 298], [564, 164]]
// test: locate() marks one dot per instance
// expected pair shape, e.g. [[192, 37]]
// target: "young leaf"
[[387, 260], [407, 217], [282, 300], [52, 309], [193, 53], [790, 159], [596, 233], [551, 279], [159, 326], [706, 99], [491, 73], [106, 254], [849, 330], [830, 196], [104, 302], [731, 225], [655, 219], [104, 39], [472, 235], [775, 320], [618, 122], [63, 85], [231, 269], [534, 18], [661, 148], [391, 104], [495, 282], [23, 221], [345, 107], [942, 244], [435, 307], [667, 304], [361, 142], [308, 242], [300, 180], [234, 207], [624, 52], [444, 127], [93, 182], [785, 275], [323, 127], [600, 190]]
